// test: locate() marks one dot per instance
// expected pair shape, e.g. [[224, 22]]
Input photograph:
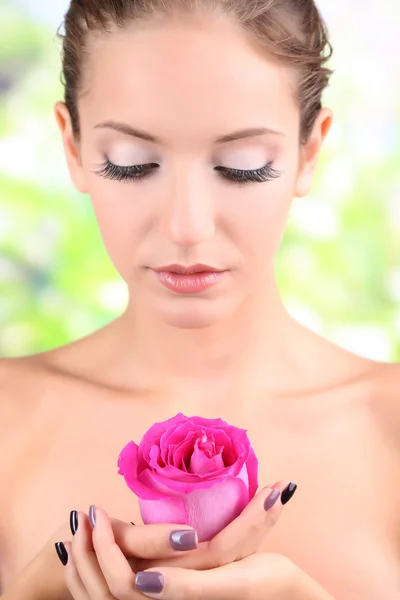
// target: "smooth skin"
[[228, 567], [316, 414]]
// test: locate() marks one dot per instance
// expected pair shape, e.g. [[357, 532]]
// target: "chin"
[[194, 313]]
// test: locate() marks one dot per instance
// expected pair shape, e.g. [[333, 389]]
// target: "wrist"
[[41, 579], [306, 588]]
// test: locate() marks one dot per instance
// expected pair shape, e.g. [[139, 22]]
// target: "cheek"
[[121, 220], [262, 220]]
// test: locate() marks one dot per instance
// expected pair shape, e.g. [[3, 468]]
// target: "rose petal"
[[210, 510], [157, 470], [127, 463], [202, 464], [180, 433], [211, 423], [174, 436], [183, 451], [164, 511], [207, 445], [223, 439], [231, 431], [190, 482], [165, 443], [244, 476], [155, 460], [178, 475], [252, 470], [128, 459], [154, 433]]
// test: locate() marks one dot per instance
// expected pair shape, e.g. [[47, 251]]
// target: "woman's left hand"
[[230, 566], [260, 576]]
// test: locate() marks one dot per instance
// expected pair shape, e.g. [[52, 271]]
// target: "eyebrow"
[[236, 135]]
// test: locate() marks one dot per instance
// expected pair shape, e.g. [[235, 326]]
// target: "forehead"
[[185, 78]]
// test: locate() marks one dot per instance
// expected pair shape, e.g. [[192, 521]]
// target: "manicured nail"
[[288, 492], [271, 500], [73, 521], [184, 539], [92, 516], [149, 582], [62, 552]]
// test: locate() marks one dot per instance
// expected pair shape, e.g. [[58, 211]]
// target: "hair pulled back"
[[291, 31]]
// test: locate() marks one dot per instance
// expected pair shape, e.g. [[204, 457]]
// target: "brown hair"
[[292, 31]]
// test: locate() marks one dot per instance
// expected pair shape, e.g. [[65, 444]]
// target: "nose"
[[187, 216]]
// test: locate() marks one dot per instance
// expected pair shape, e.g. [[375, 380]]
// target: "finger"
[[72, 578], [287, 488], [256, 576], [245, 535], [86, 562], [115, 568], [154, 541], [242, 537]]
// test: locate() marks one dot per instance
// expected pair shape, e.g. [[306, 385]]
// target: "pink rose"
[[192, 471]]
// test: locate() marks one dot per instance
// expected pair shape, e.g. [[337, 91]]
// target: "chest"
[[338, 527]]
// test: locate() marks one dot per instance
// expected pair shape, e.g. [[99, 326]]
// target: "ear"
[[71, 147], [309, 152]]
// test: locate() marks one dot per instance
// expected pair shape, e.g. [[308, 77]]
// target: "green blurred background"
[[339, 265]]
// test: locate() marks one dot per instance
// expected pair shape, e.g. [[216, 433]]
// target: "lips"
[[193, 283], [190, 270]]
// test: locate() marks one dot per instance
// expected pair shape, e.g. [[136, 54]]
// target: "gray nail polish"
[[271, 500], [92, 516], [149, 582], [184, 539]]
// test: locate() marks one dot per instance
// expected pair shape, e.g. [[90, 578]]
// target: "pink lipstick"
[[188, 280]]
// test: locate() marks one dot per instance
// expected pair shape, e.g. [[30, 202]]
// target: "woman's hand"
[[257, 577], [98, 568], [42, 578], [242, 537]]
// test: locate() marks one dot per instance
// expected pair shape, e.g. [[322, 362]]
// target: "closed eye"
[[235, 176]]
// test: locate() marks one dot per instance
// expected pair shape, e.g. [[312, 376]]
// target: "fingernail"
[[271, 500], [73, 521], [92, 516], [184, 539], [62, 552], [149, 582], [133, 523], [288, 492]]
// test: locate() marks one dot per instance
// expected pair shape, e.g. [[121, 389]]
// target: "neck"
[[258, 343]]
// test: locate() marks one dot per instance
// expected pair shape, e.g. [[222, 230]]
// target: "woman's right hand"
[[43, 577], [98, 567]]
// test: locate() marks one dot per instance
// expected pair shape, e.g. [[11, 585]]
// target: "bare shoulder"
[[18, 384], [12, 373], [385, 397], [386, 385], [18, 372]]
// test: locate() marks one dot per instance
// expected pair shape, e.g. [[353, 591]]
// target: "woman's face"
[[187, 86]]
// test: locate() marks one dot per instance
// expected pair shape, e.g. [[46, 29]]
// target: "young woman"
[[192, 125]]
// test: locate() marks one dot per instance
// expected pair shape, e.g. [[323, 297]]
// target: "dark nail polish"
[[62, 552], [149, 582], [133, 523], [92, 516], [272, 499], [288, 493], [73, 521], [184, 539]]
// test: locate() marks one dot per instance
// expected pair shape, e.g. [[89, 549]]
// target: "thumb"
[[234, 581]]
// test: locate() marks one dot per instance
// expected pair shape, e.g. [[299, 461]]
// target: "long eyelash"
[[115, 172], [241, 177], [232, 176]]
